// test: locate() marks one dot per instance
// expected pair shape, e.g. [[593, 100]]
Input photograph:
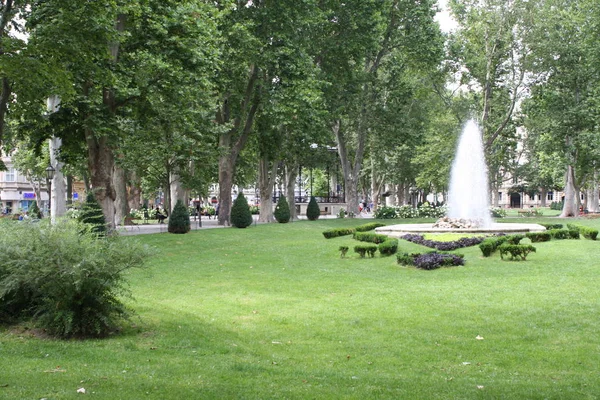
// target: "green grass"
[[272, 311]]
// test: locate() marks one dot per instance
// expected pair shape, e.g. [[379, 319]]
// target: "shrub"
[[64, 277], [498, 212], [537, 237], [558, 234], [389, 247], [514, 239], [487, 247], [368, 227], [343, 250], [91, 214], [363, 249], [34, 211], [406, 212], [588, 233], [336, 232], [443, 246], [406, 259], [573, 234], [429, 261], [341, 213], [282, 211], [370, 237], [313, 212], [557, 205], [385, 213], [573, 227], [179, 221], [516, 251], [552, 226], [240, 212]]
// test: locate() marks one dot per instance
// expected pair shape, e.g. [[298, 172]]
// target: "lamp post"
[[49, 176]]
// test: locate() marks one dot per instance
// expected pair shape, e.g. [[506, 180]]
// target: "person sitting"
[[159, 216]]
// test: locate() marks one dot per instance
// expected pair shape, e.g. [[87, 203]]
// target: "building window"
[[500, 196], [11, 175], [550, 196]]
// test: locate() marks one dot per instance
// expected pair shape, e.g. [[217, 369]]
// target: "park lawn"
[[272, 311]]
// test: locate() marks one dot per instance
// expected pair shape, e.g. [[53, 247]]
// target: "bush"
[[313, 212], [556, 205], [516, 251], [573, 234], [341, 213], [429, 261], [552, 226], [498, 212], [588, 233], [537, 237], [336, 232], [282, 211], [370, 237], [179, 221], [240, 212], [490, 245], [363, 249], [514, 239], [389, 247], [558, 234], [34, 211], [343, 250], [573, 227], [91, 214], [368, 227], [64, 277], [443, 246], [385, 213], [406, 259]]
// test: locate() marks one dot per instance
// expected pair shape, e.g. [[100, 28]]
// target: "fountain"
[[468, 198]]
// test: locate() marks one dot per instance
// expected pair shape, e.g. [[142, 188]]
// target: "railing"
[[320, 199]]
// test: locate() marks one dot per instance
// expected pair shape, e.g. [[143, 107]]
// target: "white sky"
[[447, 23]]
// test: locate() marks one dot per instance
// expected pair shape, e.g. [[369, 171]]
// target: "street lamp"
[[49, 176]]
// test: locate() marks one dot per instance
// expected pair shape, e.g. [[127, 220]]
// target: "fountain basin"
[[509, 228]]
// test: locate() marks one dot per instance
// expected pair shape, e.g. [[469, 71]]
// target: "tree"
[[282, 211], [241, 217], [179, 220], [313, 212], [91, 214]]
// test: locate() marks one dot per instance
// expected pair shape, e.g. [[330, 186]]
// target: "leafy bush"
[[370, 237], [368, 227], [406, 259], [443, 246], [179, 221], [336, 232], [389, 247], [385, 212], [514, 239], [343, 250], [282, 211], [558, 234], [498, 212], [34, 211], [573, 233], [552, 226], [406, 212], [64, 277], [341, 213], [363, 249], [537, 237], [588, 233], [490, 245], [313, 212], [429, 261], [91, 214], [240, 212], [573, 227], [516, 251], [557, 205]]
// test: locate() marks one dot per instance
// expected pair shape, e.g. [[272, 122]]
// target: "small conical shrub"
[[312, 210], [282, 210], [91, 214], [179, 221], [34, 211], [241, 217]]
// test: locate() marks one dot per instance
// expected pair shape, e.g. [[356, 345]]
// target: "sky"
[[447, 23]]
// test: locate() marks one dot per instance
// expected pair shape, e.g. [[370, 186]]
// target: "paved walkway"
[[205, 223]]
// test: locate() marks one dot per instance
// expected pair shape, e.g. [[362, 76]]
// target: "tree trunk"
[[58, 204], [121, 204], [570, 205], [291, 172], [543, 196], [266, 180], [101, 164], [226, 171], [593, 196], [177, 192], [349, 170], [135, 192]]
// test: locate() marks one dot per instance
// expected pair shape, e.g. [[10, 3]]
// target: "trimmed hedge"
[[552, 226], [389, 247], [363, 249], [179, 221], [558, 234], [517, 251], [537, 237], [282, 211], [432, 260], [343, 250], [241, 217], [369, 226], [370, 237], [443, 246], [337, 232], [586, 232], [489, 245], [313, 212]]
